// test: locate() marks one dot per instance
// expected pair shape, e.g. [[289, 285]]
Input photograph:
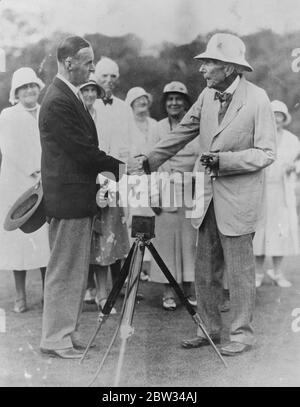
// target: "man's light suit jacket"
[[246, 142]]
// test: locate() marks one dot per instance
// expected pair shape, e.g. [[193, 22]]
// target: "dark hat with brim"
[[27, 213]]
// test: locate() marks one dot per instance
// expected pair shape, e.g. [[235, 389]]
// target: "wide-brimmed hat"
[[278, 106], [135, 93], [22, 77], [27, 213], [92, 81], [226, 48]]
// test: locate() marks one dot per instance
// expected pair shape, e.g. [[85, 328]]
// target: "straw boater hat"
[[27, 213], [21, 77], [92, 81], [135, 93], [278, 106], [226, 48]]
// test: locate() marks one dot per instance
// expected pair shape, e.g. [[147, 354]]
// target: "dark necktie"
[[108, 101], [225, 99]]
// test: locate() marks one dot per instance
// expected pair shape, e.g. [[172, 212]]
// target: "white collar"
[[232, 88], [73, 88]]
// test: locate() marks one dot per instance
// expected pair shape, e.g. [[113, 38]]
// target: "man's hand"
[[210, 160], [135, 164], [211, 163]]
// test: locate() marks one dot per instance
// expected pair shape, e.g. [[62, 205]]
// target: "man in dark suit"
[[71, 161]]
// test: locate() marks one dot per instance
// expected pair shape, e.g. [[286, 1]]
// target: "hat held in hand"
[[27, 213]]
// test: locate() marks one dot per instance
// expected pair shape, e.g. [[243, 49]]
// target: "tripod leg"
[[111, 299], [126, 329], [113, 295], [183, 299], [120, 322]]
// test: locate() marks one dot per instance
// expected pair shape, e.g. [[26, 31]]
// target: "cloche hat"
[[92, 81], [278, 106], [135, 93], [22, 77]]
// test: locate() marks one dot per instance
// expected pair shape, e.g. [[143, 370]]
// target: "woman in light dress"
[[175, 236], [20, 169], [110, 243], [277, 236]]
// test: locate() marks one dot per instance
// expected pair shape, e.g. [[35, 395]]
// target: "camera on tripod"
[[143, 226]]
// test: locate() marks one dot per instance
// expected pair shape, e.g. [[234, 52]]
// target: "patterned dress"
[[110, 242]]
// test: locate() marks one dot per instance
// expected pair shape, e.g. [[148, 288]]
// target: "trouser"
[[65, 282], [214, 250]]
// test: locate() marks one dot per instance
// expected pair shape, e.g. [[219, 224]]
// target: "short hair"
[[70, 46]]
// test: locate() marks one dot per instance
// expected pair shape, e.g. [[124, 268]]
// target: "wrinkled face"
[[89, 94], [214, 72], [280, 120], [140, 105], [175, 104], [108, 82], [28, 94], [81, 66]]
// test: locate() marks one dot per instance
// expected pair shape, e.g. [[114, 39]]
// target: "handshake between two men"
[[139, 164]]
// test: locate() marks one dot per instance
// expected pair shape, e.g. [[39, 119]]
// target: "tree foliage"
[[268, 53]]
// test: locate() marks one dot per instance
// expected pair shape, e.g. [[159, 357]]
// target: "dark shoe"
[[234, 348], [199, 341], [78, 345], [139, 296], [225, 307], [69, 353]]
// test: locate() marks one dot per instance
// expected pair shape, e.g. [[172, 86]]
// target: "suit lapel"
[[80, 107], [238, 100]]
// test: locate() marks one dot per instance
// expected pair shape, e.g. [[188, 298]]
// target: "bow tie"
[[223, 97], [108, 101]]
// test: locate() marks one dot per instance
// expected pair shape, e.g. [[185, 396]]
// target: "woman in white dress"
[[146, 135], [20, 169], [277, 236]]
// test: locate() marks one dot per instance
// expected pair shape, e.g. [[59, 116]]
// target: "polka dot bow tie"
[[223, 97]]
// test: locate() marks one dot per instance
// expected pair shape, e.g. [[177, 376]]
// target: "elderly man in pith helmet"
[[236, 129]]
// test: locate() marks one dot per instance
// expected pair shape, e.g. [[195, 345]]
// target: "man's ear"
[[68, 64], [229, 69]]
